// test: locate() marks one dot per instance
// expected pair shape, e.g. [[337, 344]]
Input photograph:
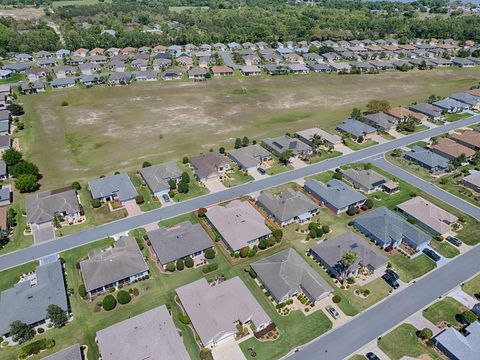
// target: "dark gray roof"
[[179, 241], [197, 71], [120, 76], [119, 185], [332, 250], [355, 128], [381, 120], [366, 178], [28, 300], [157, 176], [286, 272], [336, 193], [287, 205], [4, 141], [104, 267], [450, 104], [427, 109], [63, 81], [249, 156], [282, 143], [42, 207], [466, 98], [427, 157], [72, 353]]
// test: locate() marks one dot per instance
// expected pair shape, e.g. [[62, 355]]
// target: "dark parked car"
[[392, 273], [371, 356], [261, 170], [431, 254], [166, 198], [391, 278], [454, 241]]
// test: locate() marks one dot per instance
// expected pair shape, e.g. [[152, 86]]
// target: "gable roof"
[[463, 347], [336, 193], [427, 109], [249, 156], [309, 134], [473, 179], [42, 207], [104, 267], [468, 137], [177, 242], [381, 120], [157, 176], [403, 113], [366, 178], [206, 164], [427, 157], [452, 148], [150, 335], [71, 353], [282, 143], [118, 184], [356, 128]]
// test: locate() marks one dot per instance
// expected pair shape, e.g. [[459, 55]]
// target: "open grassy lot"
[[403, 341], [105, 129], [445, 310], [472, 286]]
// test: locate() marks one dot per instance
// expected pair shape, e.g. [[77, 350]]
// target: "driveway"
[[344, 149], [132, 207], [462, 297], [297, 163], [228, 351], [420, 322], [256, 175], [43, 234], [214, 185]]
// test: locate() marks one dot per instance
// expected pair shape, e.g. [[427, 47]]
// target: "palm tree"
[[348, 259]]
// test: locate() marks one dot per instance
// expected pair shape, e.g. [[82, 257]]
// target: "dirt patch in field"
[[23, 13]]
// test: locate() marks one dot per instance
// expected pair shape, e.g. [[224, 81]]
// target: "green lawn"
[[237, 177], [356, 146], [456, 117], [12, 79], [195, 188], [422, 144], [445, 248], [472, 286], [357, 357], [150, 202], [418, 128], [409, 269], [402, 342], [278, 167], [11, 276], [324, 155], [444, 310], [18, 240], [386, 135]]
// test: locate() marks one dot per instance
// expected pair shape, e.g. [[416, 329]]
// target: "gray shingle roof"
[[462, 347], [427, 109], [72, 353], [27, 301], [466, 98], [150, 335], [381, 120], [366, 178], [287, 205], [177, 242], [3, 168], [355, 128], [114, 264], [157, 176], [336, 193], [427, 157], [282, 143], [119, 185], [42, 207], [63, 81], [207, 164], [250, 156]]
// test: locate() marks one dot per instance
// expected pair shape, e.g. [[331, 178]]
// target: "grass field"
[[106, 129]]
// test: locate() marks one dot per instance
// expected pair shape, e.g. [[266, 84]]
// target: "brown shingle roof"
[[468, 137], [452, 148]]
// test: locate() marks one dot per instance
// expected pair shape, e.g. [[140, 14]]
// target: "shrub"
[[189, 262], [140, 243], [135, 292], [184, 319], [252, 253], [146, 164], [351, 280], [180, 265], [35, 347], [171, 267], [209, 253], [209, 268], [352, 210], [109, 303], [139, 199], [123, 297], [40, 330], [64, 103], [425, 334], [96, 203], [412, 221], [277, 234], [244, 251], [202, 212], [185, 159], [319, 232], [326, 229], [221, 150], [252, 272], [82, 291], [183, 187], [469, 316], [76, 185], [263, 244], [312, 233], [111, 290], [336, 299], [369, 203]]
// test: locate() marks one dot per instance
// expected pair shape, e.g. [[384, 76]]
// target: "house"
[[250, 70], [43, 207], [216, 310], [451, 105], [139, 64], [5, 74], [401, 114], [472, 181], [28, 300], [75, 61], [381, 121], [251, 59], [320, 68], [329, 254], [172, 74], [63, 71], [73, 352], [468, 138], [428, 216], [89, 69], [222, 71], [116, 265], [285, 274], [239, 224], [120, 78], [150, 335], [63, 83], [179, 242], [34, 74], [281, 144], [62, 53], [366, 180], [184, 61], [82, 52], [42, 54], [389, 230], [356, 129], [197, 73], [451, 150], [209, 166], [157, 177], [460, 345], [23, 57], [273, 69], [469, 99], [298, 68], [288, 207], [461, 62], [17, 67], [148, 75], [96, 51], [336, 195], [90, 80], [250, 157], [430, 110], [115, 187], [5, 143], [340, 67], [428, 159], [3, 170], [33, 88]]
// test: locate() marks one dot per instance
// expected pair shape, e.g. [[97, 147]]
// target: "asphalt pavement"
[[60, 244]]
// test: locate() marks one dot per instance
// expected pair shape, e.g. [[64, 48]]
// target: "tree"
[[221, 150], [96, 203], [336, 299], [21, 332], [139, 199], [469, 316], [146, 164], [244, 252], [238, 143], [376, 106], [284, 157], [369, 203], [180, 265], [24, 167], [245, 141], [185, 177], [188, 262], [182, 187], [202, 212], [123, 297], [356, 114], [185, 160], [11, 156], [277, 234], [76, 186], [172, 183], [57, 315], [348, 259], [109, 303], [209, 254], [26, 183], [16, 109]]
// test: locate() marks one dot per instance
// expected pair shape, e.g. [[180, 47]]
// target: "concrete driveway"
[[43, 234], [132, 207], [256, 175], [214, 185], [462, 297], [297, 163], [228, 351]]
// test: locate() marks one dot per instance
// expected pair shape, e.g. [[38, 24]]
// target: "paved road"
[[227, 59], [81, 238], [369, 325], [429, 188]]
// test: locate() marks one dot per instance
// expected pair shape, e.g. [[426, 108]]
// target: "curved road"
[[58, 245]]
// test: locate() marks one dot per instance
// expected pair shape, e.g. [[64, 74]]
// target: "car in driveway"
[[391, 278], [454, 241], [432, 254], [166, 198], [331, 310], [261, 170], [371, 356]]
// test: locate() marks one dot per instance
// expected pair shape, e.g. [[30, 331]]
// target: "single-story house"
[[329, 254], [149, 75], [250, 70], [430, 110], [115, 187], [63, 83], [336, 195], [197, 73], [472, 181], [320, 68], [462, 62], [451, 149], [356, 129], [309, 136], [150, 335], [209, 166], [157, 177], [27, 300], [401, 114], [178, 242], [63, 70], [120, 78], [381, 121], [298, 68], [451, 105], [117, 265], [89, 69], [239, 224], [34, 74], [172, 74], [33, 88], [469, 99], [366, 180], [280, 144], [389, 230], [428, 216], [216, 310], [73, 352], [222, 71], [274, 69], [286, 274], [427, 159], [288, 207], [458, 345], [249, 157], [469, 138], [17, 67], [3, 170]]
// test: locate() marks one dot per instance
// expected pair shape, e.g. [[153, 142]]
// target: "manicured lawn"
[[409, 269], [386, 135], [176, 220], [445, 248], [472, 286], [410, 167], [403, 341], [418, 128], [195, 188], [278, 167], [356, 146], [379, 289], [12, 79], [150, 202], [422, 144], [444, 310], [18, 240], [324, 155], [237, 177], [456, 117], [323, 177], [11, 276]]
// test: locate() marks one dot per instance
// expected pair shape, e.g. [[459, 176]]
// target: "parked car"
[[392, 273], [166, 198], [331, 310], [371, 356], [454, 241], [391, 279], [261, 170], [431, 254]]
